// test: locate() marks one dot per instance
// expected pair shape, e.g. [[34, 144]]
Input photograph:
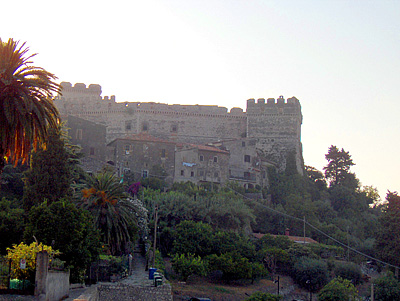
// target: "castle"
[[266, 134]]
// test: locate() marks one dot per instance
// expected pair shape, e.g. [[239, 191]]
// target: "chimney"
[[287, 233]]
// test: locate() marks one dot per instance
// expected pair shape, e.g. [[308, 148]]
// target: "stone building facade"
[[268, 131]]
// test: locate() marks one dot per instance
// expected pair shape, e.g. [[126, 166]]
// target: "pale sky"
[[339, 58]]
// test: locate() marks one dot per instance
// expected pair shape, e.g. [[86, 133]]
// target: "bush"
[[337, 290], [350, 271], [259, 296], [233, 266], [186, 265], [387, 288], [311, 274], [27, 252]]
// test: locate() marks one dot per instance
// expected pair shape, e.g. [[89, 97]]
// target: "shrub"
[[337, 290], [348, 270], [387, 288], [27, 252], [310, 273], [186, 265], [259, 296]]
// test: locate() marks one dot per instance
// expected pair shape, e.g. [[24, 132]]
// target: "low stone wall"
[[57, 285], [138, 293]]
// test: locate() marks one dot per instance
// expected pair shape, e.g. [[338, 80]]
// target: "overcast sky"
[[339, 58]]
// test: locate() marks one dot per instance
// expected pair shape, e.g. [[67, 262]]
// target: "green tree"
[[387, 288], [310, 273], [186, 265], [69, 230], [338, 169], [194, 238], [388, 235], [338, 289], [27, 110], [114, 213], [11, 224], [49, 177]]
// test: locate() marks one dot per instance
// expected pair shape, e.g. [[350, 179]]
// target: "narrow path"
[[139, 277]]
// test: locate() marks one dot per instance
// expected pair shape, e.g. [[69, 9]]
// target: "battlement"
[[80, 91], [271, 101]]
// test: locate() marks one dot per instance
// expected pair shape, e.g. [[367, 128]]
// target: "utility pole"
[[155, 235]]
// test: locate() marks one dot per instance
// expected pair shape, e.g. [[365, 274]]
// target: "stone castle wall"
[[275, 124]]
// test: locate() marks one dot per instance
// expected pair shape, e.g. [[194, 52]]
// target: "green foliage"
[[338, 289], [310, 273], [49, 176], [113, 212], [349, 271], [11, 184], [338, 169], [388, 235], [69, 229], [233, 266], [387, 288], [11, 224], [194, 238], [29, 253], [189, 264], [260, 296]]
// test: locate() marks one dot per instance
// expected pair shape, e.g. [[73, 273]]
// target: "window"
[[145, 127], [182, 172], [78, 134], [201, 158], [163, 153], [192, 173], [247, 158], [243, 143], [216, 174], [174, 128], [246, 175], [127, 149], [215, 159], [128, 126], [201, 173], [145, 173], [92, 151]]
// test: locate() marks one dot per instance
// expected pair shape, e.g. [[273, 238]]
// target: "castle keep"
[[266, 134]]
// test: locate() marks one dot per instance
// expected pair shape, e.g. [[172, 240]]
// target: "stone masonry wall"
[[275, 124], [138, 293]]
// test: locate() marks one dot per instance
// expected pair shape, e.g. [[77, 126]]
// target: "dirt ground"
[[201, 288]]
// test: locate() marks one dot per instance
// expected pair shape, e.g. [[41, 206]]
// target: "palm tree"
[[26, 108], [113, 212]]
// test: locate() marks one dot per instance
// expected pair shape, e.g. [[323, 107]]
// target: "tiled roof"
[[144, 137], [203, 147], [298, 239]]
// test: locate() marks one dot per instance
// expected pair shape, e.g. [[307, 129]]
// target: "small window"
[[192, 173], [145, 173], [128, 126], [127, 147], [215, 159], [216, 174], [145, 127], [247, 158], [201, 173], [78, 134], [243, 143], [163, 153], [182, 172], [174, 128], [92, 151], [201, 158]]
